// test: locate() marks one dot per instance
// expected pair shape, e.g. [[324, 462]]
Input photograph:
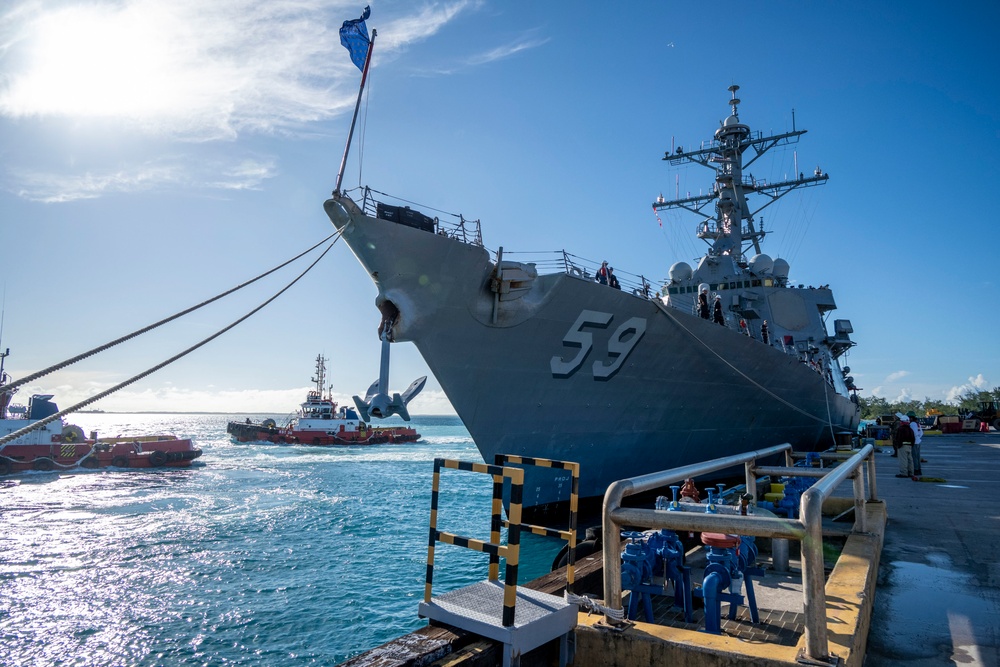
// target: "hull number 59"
[[619, 345]]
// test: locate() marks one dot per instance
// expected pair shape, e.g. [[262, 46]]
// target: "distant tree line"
[[873, 406]]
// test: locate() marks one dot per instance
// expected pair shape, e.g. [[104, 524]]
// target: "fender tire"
[[43, 463], [158, 458], [4, 466], [90, 462], [120, 462]]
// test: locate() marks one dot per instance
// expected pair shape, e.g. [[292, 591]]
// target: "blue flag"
[[354, 36]]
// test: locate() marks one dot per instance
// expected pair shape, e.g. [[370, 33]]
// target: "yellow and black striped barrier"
[[496, 550], [510, 551], [570, 533]]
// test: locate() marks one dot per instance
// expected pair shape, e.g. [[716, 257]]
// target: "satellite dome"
[[761, 264], [680, 271], [780, 268]]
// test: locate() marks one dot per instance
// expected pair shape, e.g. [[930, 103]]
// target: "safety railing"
[[466, 231], [496, 549], [807, 528], [569, 534]]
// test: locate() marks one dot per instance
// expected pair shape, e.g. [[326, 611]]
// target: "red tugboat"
[[321, 422], [55, 446]]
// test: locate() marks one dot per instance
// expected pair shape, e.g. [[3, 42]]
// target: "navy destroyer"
[[540, 359]]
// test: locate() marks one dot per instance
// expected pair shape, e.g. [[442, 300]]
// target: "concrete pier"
[[919, 588], [938, 596]]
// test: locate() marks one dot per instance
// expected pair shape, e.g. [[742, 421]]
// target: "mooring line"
[[139, 332], [93, 399], [749, 379]]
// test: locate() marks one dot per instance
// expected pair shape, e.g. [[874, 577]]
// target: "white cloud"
[[183, 68], [898, 375], [54, 187], [975, 383], [190, 69], [904, 395], [505, 51], [179, 71], [428, 21]]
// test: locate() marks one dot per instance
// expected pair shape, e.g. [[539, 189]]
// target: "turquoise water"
[[257, 555]]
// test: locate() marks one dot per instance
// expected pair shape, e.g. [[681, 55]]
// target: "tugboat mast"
[[320, 378], [726, 233]]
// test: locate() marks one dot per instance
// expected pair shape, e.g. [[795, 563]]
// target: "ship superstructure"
[[753, 288]]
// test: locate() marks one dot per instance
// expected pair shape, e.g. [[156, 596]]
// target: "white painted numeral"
[[576, 337], [620, 344]]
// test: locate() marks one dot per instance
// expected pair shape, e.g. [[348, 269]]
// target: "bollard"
[[779, 554]]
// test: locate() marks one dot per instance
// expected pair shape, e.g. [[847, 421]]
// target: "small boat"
[[59, 446], [321, 422]]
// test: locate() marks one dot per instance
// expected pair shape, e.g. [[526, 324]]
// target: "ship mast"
[[320, 378], [732, 230]]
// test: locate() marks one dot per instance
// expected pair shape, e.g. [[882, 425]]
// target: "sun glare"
[[100, 61]]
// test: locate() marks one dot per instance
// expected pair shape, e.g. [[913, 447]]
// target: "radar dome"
[[680, 271], [780, 268], [761, 264]]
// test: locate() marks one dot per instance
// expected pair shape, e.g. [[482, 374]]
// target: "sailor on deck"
[[602, 274], [717, 315], [703, 304]]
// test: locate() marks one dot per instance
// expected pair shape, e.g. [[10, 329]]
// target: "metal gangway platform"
[[520, 618]]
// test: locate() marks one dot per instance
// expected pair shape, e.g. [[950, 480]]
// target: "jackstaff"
[[354, 37]]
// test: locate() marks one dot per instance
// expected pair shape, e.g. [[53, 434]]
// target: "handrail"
[[510, 551], [808, 528], [494, 547], [813, 577], [569, 534], [627, 487]]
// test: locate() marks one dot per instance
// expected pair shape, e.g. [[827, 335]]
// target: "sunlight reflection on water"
[[257, 555]]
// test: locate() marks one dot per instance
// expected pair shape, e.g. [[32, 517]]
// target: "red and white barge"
[[58, 446]]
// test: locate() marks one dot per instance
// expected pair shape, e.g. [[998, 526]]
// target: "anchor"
[[377, 402]]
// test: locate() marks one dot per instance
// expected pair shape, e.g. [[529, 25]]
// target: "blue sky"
[[155, 153]]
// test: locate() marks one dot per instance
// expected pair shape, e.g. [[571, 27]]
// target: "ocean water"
[[256, 555]]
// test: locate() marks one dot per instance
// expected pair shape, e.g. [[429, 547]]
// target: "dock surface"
[[936, 597]]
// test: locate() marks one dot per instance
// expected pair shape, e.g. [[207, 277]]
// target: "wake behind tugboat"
[[540, 359], [321, 422]]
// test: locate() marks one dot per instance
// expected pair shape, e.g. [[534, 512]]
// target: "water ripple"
[[258, 555]]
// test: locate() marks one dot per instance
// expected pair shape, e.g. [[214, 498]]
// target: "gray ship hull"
[[574, 370]]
